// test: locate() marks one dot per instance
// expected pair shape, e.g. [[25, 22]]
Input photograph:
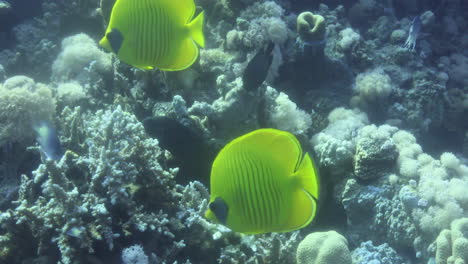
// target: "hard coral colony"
[[233, 131]]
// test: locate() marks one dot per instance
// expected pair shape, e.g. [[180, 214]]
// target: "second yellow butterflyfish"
[[155, 33], [262, 182]]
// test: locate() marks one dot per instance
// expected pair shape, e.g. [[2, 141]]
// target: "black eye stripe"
[[220, 209], [115, 39], [212, 206]]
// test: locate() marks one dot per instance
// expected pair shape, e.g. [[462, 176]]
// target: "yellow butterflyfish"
[[262, 182], [155, 33]]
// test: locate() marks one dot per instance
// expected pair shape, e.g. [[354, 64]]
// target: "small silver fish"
[[48, 140], [413, 33]]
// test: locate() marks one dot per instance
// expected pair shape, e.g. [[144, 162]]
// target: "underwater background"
[[103, 162]]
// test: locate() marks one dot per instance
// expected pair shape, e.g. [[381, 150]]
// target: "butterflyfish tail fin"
[[196, 29]]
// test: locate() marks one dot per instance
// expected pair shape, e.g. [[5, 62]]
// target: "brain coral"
[[323, 248]]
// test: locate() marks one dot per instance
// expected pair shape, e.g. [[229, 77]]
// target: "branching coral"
[[74, 207], [275, 248]]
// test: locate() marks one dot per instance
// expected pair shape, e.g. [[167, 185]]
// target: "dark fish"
[[192, 154], [48, 139], [257, 69]]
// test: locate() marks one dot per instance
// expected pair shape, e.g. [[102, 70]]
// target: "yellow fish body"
[[155, 33], [262, 182]]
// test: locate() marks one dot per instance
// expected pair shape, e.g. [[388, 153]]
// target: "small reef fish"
[[155, 33], [257, 69], [48, 140], [413, 33], [262, 182]]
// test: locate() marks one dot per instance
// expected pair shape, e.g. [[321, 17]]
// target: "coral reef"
[[79, 52], [385, 123], [372, 87], [335, 145], [135, 255], [285, 114], [258, 24], [323, 247], [70, 198], [452, 245], [349, 39], [310, 27], [375, 152], [23, 102], [368, 253]]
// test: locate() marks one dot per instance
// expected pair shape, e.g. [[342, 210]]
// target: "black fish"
[[257, 68], [192, 154]]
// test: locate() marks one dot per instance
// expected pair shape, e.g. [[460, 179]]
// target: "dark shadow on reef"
[[313, 76], [191, 152]]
